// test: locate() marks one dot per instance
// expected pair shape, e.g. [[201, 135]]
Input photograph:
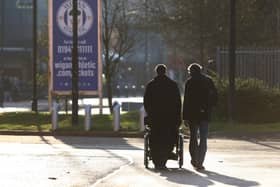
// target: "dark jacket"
[[199, 98], [162, 102]]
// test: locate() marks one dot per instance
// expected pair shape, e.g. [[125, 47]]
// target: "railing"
[[260, 63]]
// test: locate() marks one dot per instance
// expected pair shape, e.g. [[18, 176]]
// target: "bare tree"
[[118, 38]]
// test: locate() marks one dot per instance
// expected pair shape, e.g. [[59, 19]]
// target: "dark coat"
[[199, 98], [162, 103]]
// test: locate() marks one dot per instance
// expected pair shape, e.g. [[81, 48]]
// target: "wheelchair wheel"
[[146, 151], [181, 150]]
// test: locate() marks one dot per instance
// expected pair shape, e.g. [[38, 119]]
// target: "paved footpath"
[[228, 163], [118, 162]]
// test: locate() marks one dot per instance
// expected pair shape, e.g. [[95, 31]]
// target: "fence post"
[[55, 116], [116, 116], [142, 115], [87, 117]]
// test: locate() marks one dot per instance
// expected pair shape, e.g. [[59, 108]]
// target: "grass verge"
[[41, 122], [244, 129], [30, 121]]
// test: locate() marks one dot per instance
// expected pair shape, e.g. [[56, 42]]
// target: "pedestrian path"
[[23, 106], [44, 106]]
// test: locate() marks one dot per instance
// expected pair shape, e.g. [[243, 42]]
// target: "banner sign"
[[62, 42]]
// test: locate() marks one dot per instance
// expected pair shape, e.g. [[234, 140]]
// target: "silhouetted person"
[[7, 89], [199, 98], [162, 103]]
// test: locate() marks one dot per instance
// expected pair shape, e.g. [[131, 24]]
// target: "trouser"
[[198, 130]]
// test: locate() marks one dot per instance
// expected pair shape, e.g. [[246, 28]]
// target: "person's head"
[[161, 69], [194, 69]]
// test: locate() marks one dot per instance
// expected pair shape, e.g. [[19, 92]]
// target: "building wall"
[[16, 36]]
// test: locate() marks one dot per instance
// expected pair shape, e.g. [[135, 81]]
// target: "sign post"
[[88, 48], [75, 64]]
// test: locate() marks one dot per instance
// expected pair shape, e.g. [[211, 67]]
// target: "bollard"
[[55, 116], [142, 115], [87, 117], [116, 116]]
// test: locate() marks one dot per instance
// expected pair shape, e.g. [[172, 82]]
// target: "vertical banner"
[[61, 33]]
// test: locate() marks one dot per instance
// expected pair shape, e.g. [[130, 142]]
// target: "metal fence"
[[260, 63]]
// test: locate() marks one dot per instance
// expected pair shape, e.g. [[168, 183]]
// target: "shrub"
[[254, 102]]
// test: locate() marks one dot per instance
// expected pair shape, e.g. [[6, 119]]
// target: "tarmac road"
[[118, 162]]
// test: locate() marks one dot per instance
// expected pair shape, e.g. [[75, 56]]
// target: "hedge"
[[254, 101]]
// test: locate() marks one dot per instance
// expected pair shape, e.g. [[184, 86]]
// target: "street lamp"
[[34, 99]]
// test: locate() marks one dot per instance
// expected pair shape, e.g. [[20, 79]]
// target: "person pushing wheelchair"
[[162, 103]]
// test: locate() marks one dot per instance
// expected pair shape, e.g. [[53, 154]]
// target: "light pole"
[[2, 36], [146, 43], [2, 24], [34, 99], [201, 31], [232, 46], [75, 65]]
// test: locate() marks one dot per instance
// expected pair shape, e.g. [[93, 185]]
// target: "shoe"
[[200, 168], [172, 156], [160, 167], [194, 164]]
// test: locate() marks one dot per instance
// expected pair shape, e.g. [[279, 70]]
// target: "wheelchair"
[[179, 147]]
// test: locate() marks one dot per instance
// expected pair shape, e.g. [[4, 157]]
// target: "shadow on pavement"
[[265, 144], [187, 177], [97, 143]]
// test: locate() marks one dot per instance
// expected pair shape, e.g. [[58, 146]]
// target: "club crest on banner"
[[65, 18]]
